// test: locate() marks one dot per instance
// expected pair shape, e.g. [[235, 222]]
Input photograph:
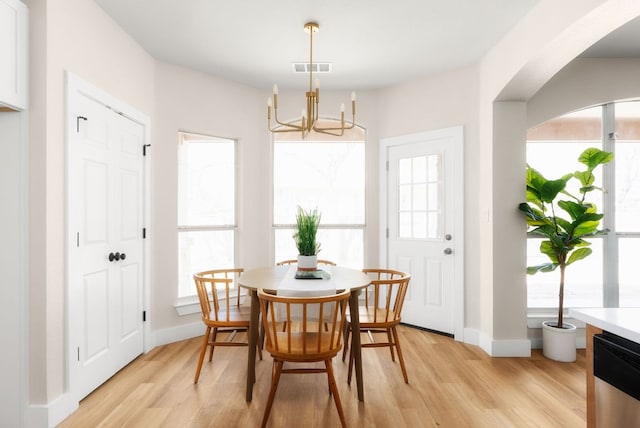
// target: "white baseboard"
[[505, 348], [178, 333], [471, 336], [50, 415]]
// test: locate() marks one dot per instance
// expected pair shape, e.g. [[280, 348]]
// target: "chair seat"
[[374, 318], [295, 349], [235, 317]]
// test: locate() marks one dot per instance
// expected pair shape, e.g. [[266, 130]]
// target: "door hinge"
[[144, 316], [78, 354], [144, 149], [78, 239], [387, 233], [78, 119], [387, 166], [144, 233]]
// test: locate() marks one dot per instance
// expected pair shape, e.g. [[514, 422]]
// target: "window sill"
[[191, 305], [535, 317], [187, 306]]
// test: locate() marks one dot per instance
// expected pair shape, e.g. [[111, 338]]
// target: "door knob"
[[117, 256], [448, 251]]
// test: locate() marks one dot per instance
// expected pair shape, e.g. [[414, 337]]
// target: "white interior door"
[[106, 247], [425, 226]]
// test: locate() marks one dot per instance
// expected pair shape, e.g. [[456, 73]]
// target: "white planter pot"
[[307, 262], [559, 344]]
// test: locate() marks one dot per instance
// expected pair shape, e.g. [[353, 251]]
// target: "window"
[[607, 278], [327, 175], [206, 206]]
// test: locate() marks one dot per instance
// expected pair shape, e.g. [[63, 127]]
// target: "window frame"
[[356, 135], [189, 304], [610, 241]]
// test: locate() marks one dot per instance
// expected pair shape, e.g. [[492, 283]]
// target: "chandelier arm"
[[289, 124], [329, 131], [343, 127]]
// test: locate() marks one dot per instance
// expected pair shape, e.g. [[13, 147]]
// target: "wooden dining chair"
[[294, 262], [388, 289], [218, 314], [306, 340]]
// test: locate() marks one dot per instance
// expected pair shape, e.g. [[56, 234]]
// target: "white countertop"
[[624, 322]]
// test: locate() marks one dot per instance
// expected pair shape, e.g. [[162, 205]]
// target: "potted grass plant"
[[307, 223], [564, 221]]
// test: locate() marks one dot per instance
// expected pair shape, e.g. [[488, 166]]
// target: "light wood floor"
[[450, 385]]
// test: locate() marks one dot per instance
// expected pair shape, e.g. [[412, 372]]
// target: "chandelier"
[[309, 117]]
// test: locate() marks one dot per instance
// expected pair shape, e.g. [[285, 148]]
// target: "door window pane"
[[419, 203]]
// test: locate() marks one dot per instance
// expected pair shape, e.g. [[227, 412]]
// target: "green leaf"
[[592, 157], [551, 188], [546, 267], [586, 179], [578, 254], [574, 209], [550, 250]]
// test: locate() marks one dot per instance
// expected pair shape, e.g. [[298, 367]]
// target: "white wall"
[[77, 35], [14, 225], [73, 35], [582, 83]]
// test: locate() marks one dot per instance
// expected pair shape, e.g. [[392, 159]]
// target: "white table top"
[[624, 322], [270, 278]]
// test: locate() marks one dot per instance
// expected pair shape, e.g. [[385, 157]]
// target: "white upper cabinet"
[[14, 53]]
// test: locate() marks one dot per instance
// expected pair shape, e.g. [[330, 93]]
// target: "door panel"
[[424, 226], [106, 214]]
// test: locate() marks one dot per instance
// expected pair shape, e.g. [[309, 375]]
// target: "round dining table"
[[274, 277]]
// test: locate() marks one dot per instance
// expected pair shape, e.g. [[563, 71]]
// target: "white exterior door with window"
[[105, 249], [424, 225]]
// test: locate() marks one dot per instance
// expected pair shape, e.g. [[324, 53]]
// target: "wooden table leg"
[[355, 339], [253, 341]]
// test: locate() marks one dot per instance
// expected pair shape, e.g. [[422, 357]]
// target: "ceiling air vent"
[[318, 67]]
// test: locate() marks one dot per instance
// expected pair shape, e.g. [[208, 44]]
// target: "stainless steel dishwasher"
[[616, 367]]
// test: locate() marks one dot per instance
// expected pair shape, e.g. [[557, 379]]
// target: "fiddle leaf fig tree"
[[562, 219]]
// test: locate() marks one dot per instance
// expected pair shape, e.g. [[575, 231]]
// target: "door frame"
[[456, 135], [76, 87]]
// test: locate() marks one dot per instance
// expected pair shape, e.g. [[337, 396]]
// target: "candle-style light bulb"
[[269, 109], [317, 82], [342, 108], [353, 96], [275, 89]]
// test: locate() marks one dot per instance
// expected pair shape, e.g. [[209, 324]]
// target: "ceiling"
[[369, 43]]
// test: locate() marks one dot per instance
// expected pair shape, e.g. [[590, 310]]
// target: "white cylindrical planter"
[[307, 263], [559, 344]]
